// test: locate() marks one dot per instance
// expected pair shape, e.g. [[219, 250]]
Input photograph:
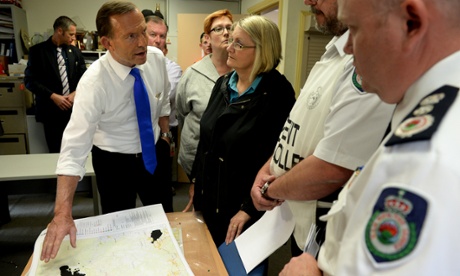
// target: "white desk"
[[40, 166]]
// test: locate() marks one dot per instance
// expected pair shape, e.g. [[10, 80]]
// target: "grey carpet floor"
[[30, 213]]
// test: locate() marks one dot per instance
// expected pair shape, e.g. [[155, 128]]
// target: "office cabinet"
[[12, 144], [13, 118]]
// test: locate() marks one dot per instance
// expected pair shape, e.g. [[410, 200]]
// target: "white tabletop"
[[33, 166]]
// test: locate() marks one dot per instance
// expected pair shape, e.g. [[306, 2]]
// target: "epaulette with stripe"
[[425, 118]]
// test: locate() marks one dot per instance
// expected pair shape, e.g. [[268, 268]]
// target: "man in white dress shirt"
[[157, 31], [104, 121]]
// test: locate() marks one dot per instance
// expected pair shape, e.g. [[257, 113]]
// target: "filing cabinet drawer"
[[13, 120], [10, 95], [13, 144]]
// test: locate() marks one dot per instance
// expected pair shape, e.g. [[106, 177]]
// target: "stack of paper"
[[311, 245]]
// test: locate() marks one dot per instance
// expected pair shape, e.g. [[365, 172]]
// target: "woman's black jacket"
[[236, 139]]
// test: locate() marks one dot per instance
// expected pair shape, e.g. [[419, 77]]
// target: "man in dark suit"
[[53, 80]]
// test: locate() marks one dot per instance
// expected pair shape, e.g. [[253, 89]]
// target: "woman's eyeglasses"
[[238, 46], [220, 29]]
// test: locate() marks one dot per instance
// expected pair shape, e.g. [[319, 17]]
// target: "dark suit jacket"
[[42, 76]]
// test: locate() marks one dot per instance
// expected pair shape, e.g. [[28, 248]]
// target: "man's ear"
[[416, 17], [105, 41]]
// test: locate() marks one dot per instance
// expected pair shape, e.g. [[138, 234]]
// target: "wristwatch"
[[167, 134], [264, 190]]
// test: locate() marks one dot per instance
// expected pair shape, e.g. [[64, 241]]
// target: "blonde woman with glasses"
[[240, 127]]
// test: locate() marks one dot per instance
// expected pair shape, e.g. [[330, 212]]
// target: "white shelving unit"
[[19, 21], [91, 56]]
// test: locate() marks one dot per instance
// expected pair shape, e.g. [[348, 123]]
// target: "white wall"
[[291, 34], [176, 7], [42, 13], [246, 4]]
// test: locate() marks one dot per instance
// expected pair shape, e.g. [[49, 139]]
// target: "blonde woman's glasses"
[[238, 46]]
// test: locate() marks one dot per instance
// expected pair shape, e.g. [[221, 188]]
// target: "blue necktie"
[[144, 121]]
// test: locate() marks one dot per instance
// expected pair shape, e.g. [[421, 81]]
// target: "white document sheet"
[[265, 236]]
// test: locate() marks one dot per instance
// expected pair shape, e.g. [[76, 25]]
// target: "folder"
[[246, 253]]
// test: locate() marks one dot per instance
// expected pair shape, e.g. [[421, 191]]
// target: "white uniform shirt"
[[104, 112], [174, 74], [399, 216], [332, 120]]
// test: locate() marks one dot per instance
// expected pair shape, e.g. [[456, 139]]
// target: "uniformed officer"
[[398, 217]]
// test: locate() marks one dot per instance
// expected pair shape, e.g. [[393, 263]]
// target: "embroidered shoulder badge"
[[426, 117], [394, 228], [314, 98], [357, 81]]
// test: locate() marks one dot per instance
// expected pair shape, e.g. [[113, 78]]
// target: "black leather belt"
[[136, 155]]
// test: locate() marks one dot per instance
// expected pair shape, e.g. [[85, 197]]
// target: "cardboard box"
[[16, 70]]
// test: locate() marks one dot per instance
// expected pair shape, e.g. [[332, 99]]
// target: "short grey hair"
[[157, 20]]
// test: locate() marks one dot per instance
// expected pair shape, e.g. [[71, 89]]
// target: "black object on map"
[[155, 235]]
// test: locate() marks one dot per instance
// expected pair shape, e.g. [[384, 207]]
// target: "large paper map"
[[132, 242]]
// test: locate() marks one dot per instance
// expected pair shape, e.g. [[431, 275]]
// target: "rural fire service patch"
[[394, 228], [414, 125]]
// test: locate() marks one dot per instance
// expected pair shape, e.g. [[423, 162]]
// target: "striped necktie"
[[63, 72], [144, 120]]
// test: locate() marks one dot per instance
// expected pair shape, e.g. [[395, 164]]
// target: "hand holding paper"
[[271, 231]]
